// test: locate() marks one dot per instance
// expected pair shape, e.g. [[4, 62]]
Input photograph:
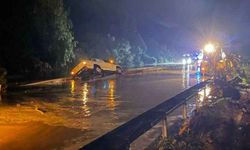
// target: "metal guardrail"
[[121, 137]]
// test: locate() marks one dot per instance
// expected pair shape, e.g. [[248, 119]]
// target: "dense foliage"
[[3, 82], [111, 30], [38, 37]]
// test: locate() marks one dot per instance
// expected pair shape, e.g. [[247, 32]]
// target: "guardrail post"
[[184, 112], [185, 121], [145, 122], [165, 127], [205, 96], [197, 102]]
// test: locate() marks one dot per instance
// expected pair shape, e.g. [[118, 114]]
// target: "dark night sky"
[[188, 24], [194, 22]]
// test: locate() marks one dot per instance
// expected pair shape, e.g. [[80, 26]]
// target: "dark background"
[[52, 35]]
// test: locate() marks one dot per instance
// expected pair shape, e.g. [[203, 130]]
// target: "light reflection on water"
[[99, 106], [111, 95], [201, 99], [104, 91], [186, 83], [73, 84], [203, 95], [186, 76], [85, 100]]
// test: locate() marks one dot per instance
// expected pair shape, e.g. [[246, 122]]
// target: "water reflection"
[[189, 109], [73, 85], [105, 104], [97, 91], [111, 95], [198, 77], [203, 96], [186, 76], [105, 85], [85, 100], [85, 93]]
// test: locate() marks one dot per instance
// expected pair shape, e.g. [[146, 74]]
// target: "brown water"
[[71, 116]]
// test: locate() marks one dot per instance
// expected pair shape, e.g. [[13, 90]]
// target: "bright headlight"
[[189, 61], [184, 62]]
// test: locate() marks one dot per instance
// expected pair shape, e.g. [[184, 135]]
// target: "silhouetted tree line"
[[37, 37], [39, 40]]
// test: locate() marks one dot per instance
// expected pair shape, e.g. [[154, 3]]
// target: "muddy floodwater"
[[70, 116]]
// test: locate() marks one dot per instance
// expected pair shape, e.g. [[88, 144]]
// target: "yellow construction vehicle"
[[97, 65], [220, 67]]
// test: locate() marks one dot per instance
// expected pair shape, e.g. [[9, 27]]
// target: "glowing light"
[[111, 93], [186, 76], [204, 93], [184, 62], [209, 48], [111, 61], [85, 93], [72, 73], [73, 87], [84, 62], [85, 100], [189, 61], [198, 77], [223, 55], [111, 90], [198, 69], [200, 56]]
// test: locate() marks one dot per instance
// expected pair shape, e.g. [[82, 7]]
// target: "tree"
[[138, 58], [53, 30], [3, 81], [37, 32], [123, 54], [149, 60]]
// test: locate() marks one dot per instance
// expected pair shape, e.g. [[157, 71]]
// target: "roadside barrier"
[[122, 137]]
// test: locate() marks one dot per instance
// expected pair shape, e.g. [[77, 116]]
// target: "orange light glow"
[[209, 48], [73, 84], [111, 99]]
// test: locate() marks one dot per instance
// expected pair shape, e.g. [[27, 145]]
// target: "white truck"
[[97, 65]]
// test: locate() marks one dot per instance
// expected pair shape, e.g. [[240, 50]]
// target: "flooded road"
[[71, 116]]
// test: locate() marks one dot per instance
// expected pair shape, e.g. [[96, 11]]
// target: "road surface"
[[70, 116]]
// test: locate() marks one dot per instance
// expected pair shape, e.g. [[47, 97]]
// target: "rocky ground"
[[224, 124]]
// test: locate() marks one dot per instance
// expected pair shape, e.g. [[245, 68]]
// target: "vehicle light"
[[189, 61], [84, 62], [200, 56], [223, 55], [209, 48], [198, 69], [184, 61]]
